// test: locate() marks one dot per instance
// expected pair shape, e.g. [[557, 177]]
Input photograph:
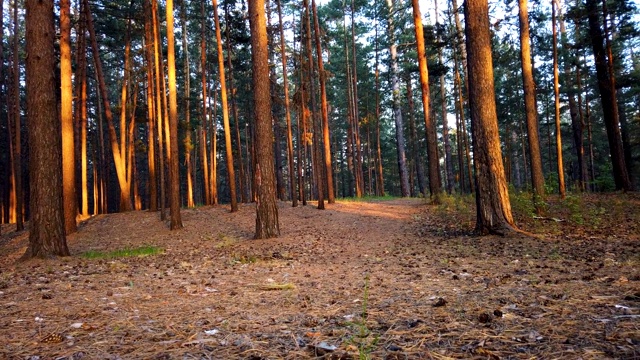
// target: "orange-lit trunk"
[[225, 112]]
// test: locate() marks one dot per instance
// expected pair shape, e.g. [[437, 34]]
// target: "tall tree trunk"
[[188, 142], [380, 176], [234, 110], [397, 111], [46, 230], [531, 113], [323, 108], [118, 150], [283, 53], [151, 96], [225, 112], [556, 90], [606, 85], [414, 139], [266, 210], [356, 102], [66, 115], [17, 154], [81, 114], [172, 143], [430, 128], [448, 163], [205, 101], [492, 196], [316, 142], [160, 101]]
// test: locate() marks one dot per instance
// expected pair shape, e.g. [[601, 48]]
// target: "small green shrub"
[[127, 252]]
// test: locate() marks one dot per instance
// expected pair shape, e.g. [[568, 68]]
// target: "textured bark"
[[556, 91], [397, 111], [606, 85], [531, 113], [66, 115], [492, 196], [225, 112], [188, 142], [413, 133], [205, 101], [432, 139], [118, 149], [81, 115], [160, 101], [287, 112], [323, 108], [46, 235], [17, 154], [448, 162], [172, 143], [151, 157], [316, 140], [266, 210], [379, 172]]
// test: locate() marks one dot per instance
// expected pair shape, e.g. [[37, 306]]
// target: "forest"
[[335, 179]]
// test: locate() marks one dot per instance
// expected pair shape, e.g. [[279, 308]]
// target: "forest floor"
[[392, 279]]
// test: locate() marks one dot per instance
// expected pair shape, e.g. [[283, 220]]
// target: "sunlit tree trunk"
[[266, 210], [379, 172], [80, 114], [316, 140], [160, 102], [172, 143], [432, 139], [188, 143], [492, 196], [356, 102], [448, 164], [323, 108], [225, 112], [397, 111], [151, 114], [556, 90], [205, 100], [118, 149], [46, 230], [531, 113], [66, 115]]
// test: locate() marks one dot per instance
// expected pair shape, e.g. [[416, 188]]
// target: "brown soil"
[[395, 279]]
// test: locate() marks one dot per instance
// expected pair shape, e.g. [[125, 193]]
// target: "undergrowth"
[[127, 252]]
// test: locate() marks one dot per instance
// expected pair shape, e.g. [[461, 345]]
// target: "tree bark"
[[323, 108], [606, 85], [531, 113], [492, 196], [46, 235], [556, 91], [17, 154], [397, 111], [172, 143], [66, 114], [266, 210], [432, 139], [225, 112]]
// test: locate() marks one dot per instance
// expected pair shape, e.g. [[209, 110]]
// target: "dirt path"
[[216, 293]]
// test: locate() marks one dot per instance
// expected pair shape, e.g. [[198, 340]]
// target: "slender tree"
[[266, 210], [17, 153], [606, 85], [556, 91], [225, 112], [492, 196], [397, 111], [66, 114], [188, 142], [531, 113], [46, 233], [432, 139], [172, 143]]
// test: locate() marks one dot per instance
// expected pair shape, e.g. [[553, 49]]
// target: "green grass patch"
[[126, 252]]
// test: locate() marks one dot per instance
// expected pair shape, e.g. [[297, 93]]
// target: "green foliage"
[[363, 339], [126, 252]]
